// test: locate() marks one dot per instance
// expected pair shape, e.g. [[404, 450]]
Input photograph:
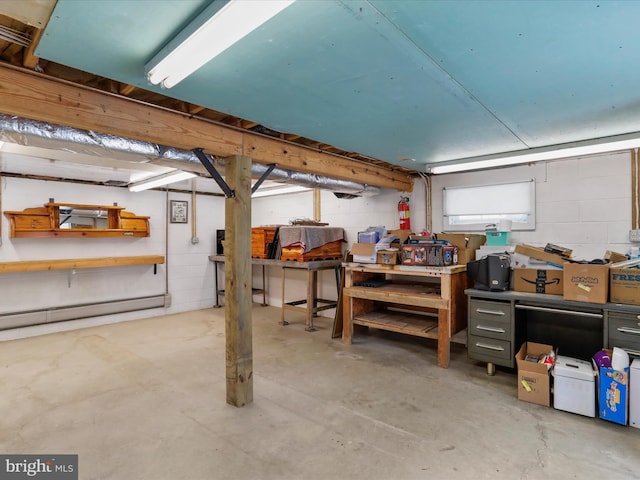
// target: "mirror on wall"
[[71, 217]]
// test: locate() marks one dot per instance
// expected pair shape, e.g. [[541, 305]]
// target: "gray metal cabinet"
[[499, 322], [624, 330], [490, 332]]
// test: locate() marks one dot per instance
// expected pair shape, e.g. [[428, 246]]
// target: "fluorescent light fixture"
[[267, 192], [160, 180], [211, 33], [556, 152]]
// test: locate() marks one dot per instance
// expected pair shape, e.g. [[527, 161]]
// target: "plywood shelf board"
[[400, 322], [77, 263], [417, 295]]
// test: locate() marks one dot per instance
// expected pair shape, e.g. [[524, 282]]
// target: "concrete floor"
[[146, 400]]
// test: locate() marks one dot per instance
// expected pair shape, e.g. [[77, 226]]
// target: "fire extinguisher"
[[404, 212]]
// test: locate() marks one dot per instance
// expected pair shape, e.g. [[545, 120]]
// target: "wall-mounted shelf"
[[77, 263], [68, 220]]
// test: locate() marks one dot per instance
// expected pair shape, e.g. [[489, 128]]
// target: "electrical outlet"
[[634, 236]]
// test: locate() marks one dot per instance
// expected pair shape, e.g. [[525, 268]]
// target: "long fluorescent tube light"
[[210, 34], [279, 191], [160, 180], [556, 152]]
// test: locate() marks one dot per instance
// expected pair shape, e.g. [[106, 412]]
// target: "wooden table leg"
[[347, 324], [444, 337]]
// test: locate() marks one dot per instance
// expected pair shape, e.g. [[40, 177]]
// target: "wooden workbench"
[[427, 302]]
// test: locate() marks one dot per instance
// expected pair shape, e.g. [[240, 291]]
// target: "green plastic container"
[[498, 238]]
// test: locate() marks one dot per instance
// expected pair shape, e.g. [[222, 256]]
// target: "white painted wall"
[[187, 274], [353, 215], [584, 204]]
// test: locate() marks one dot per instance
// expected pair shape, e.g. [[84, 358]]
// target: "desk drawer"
[[624, 331], [486, 310], [492, 328], [490, 319], [490, 350]]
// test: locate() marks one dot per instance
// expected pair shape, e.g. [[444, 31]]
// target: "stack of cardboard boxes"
[[538, 271], [576, 384], [402, 247]]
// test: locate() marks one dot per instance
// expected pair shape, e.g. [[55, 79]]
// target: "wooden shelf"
[[76, 221], [400, 322], [417, 295], [77, 263]]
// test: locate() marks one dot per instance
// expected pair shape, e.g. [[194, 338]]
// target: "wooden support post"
[[237, 251], [316, 205]]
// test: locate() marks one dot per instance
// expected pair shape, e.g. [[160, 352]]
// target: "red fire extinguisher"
[[404, 212]]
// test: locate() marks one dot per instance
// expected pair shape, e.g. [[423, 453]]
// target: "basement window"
[[472, 208]]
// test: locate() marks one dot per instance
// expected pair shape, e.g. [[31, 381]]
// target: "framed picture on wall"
[[179, 211]]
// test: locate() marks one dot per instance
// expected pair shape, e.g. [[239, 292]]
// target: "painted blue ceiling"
[[431, 81]]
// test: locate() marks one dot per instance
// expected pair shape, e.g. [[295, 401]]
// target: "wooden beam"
[[34, 96], [194, 109], [126, 89], [29, 60], [237, 270]]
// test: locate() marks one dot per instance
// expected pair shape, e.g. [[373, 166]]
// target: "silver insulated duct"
[[27, 132]]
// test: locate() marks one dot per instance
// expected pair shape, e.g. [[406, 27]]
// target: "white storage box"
[[574, 386], [634, 394]]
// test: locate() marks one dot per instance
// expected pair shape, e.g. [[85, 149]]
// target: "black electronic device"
[[492, 272]]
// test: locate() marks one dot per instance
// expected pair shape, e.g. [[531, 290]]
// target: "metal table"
[[311, 304]]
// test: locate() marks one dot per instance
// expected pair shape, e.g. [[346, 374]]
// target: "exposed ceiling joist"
[[41, 98]]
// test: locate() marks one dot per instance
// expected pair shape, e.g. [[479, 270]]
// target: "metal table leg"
[[282, 320]]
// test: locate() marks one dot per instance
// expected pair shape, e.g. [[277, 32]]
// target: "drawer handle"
[[490, 329], [489, 312], [632, 331], [489, 347]]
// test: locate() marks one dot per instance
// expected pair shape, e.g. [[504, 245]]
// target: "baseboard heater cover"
[[75, 312]]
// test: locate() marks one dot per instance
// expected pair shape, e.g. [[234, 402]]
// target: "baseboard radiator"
[[75, 312]]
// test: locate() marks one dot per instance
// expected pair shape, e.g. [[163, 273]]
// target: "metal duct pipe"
[[28, 132]]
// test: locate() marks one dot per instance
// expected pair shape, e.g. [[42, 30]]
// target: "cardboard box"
[[532, 280], [624, 282], [534, 383], [540, 254], [403, 235], [388, 256], [519, 260], [586, 282], [367, 252], [613, 394], [467, 244], [364, 252]]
